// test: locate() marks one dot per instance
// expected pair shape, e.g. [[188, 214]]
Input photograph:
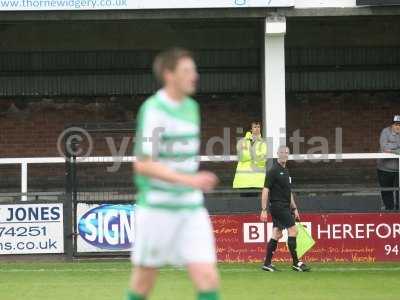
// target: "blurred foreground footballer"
[[172, 227]]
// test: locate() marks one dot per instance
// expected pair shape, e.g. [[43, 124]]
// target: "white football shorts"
[[172, 237]]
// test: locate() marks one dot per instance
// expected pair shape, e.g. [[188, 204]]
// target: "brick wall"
[[360, 115], [31, 128]]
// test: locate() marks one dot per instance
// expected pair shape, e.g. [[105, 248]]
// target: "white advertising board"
[[25, 5], [31, 229]]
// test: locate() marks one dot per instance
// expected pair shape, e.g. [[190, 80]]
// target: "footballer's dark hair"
[[168, 60]]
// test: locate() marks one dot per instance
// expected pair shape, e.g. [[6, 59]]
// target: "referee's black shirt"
[[278, 181]]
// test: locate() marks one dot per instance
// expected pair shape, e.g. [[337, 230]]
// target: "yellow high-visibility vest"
[[252, 160]]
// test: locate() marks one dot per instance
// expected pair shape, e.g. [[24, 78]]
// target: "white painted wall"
[[324, 3]]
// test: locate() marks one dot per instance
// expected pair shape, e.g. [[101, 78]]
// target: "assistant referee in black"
[[277, 197]]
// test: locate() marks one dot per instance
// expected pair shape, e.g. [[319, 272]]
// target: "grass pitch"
[[108, 281]]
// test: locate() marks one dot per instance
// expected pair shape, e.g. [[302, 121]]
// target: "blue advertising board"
[[105, 227]]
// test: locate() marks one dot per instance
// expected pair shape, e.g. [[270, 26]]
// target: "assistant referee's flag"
[[304, 240]]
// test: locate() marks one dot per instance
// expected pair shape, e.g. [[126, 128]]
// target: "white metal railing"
[[25, 161]]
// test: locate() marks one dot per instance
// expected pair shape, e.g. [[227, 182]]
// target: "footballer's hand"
[[203, 180], [264, 216]]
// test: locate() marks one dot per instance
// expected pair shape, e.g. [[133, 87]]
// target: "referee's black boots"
[[301, 267], [269, 268]]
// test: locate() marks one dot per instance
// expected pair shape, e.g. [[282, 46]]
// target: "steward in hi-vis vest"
[[252, 158]]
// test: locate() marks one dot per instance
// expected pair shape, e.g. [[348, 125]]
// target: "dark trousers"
[[389, 180]]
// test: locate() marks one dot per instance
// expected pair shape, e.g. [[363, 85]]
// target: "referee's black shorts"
[[282, 218]]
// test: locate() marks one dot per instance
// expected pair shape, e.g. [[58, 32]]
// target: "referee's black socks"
[[272, 245], [292, 248]]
